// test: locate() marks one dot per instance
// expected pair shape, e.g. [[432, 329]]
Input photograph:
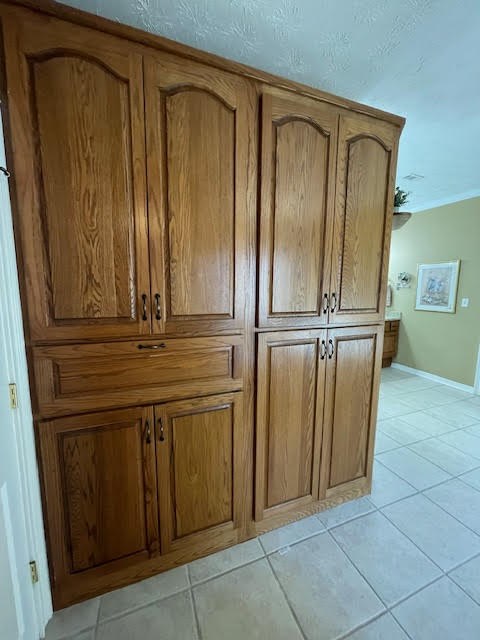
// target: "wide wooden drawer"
[[77, 378]]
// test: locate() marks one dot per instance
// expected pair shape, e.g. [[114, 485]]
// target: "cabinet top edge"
[[77, 16]]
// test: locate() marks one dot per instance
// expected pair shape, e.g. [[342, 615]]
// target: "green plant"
[[401, 197]]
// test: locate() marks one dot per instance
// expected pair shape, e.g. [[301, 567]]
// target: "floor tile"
[[466, 442], [344, 512], [72, 620], [460, 500], [401, 431], [448, 458], [472, 478], [225, 560], [409, 385], [384, 442], [327, 593], [418, 472], [442, 538], [387, 487], [391, 407], [474, 430], [455, 394], [141, 593], [425, 399], [453, 414], [467, 576], [392, 373], [383, 628], [169, 619], [391, 564], [86, 635], [440, 612], [472, 408], [291, 533], [428, 423], [244, 604]]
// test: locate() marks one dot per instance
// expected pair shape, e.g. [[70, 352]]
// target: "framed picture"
[[437, 286]]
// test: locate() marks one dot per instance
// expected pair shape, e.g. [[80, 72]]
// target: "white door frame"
[[11, 312]]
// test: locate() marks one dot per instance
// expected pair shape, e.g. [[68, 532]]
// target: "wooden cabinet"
[[200, 128], [390, 342], [79, 162], [299, 138], [200, 465], [351, 397], [290, 378], [100, 493], [366, 165]]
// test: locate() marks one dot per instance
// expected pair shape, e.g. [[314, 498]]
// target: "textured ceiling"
[[417, 58]]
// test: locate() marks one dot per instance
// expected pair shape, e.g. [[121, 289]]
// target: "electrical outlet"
[[465, 302]]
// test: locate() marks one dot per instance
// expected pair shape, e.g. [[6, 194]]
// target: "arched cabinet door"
[[298, 147], [200, 154], [77, 122], [367, 151]]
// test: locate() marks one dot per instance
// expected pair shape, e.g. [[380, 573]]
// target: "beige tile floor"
[[401, 563]]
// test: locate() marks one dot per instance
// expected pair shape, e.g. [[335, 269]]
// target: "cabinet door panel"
[[100, 491], [289, 416], [78, 137], [199, 468], [200, 125], [297, 188], [351, 397], [363, 217]]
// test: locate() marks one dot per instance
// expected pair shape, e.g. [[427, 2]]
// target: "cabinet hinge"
[[12, 392], [34, 571]]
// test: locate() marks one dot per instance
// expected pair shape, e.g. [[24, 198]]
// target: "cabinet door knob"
[[334, 302], [323, 350], [158, 310], [326, 302], [148, 432], [144, 306], [162, 435], [330, 349]]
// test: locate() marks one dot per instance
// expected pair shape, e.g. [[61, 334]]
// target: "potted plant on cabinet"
[[400, 217]]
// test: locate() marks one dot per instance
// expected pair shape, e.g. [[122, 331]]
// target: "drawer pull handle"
[[323, 351], [144, 306], [162, 345], [158, 310], [326, 302], [162, 436], [330, 349], [148, 432], [334, 302]]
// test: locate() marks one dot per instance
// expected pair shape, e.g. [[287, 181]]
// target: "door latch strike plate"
[[12, 391], [34, 571]]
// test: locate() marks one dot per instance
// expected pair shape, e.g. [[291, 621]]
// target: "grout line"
[[292, 610], [451, 514], [454, 475], [195, 614]]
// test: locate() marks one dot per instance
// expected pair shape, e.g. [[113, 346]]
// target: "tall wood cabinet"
[[203, 252]]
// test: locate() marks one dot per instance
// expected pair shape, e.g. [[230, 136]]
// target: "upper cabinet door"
[[367, 152], [76, 114], [200, 154], [299, 137]]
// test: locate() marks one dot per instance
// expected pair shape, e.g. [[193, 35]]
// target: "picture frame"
[[437, 286]]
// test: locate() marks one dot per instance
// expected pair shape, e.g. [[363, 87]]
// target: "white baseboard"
[[439, 379]]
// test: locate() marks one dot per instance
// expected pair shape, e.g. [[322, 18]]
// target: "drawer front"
[[77, 378]]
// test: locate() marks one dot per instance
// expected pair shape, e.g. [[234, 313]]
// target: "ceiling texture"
[[416, 58]]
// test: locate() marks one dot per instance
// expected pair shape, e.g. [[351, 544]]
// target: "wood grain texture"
[[297, 191], [76, 99], [289, 421], [366, 166], [350, 406], [88, 463], [52, 8], [200, 126], [87, 377], [390, 342], [199, 468]]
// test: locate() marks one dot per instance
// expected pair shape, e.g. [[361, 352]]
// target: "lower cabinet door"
[[200, 468], [100, 494], [351, 397], [290, 384]]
